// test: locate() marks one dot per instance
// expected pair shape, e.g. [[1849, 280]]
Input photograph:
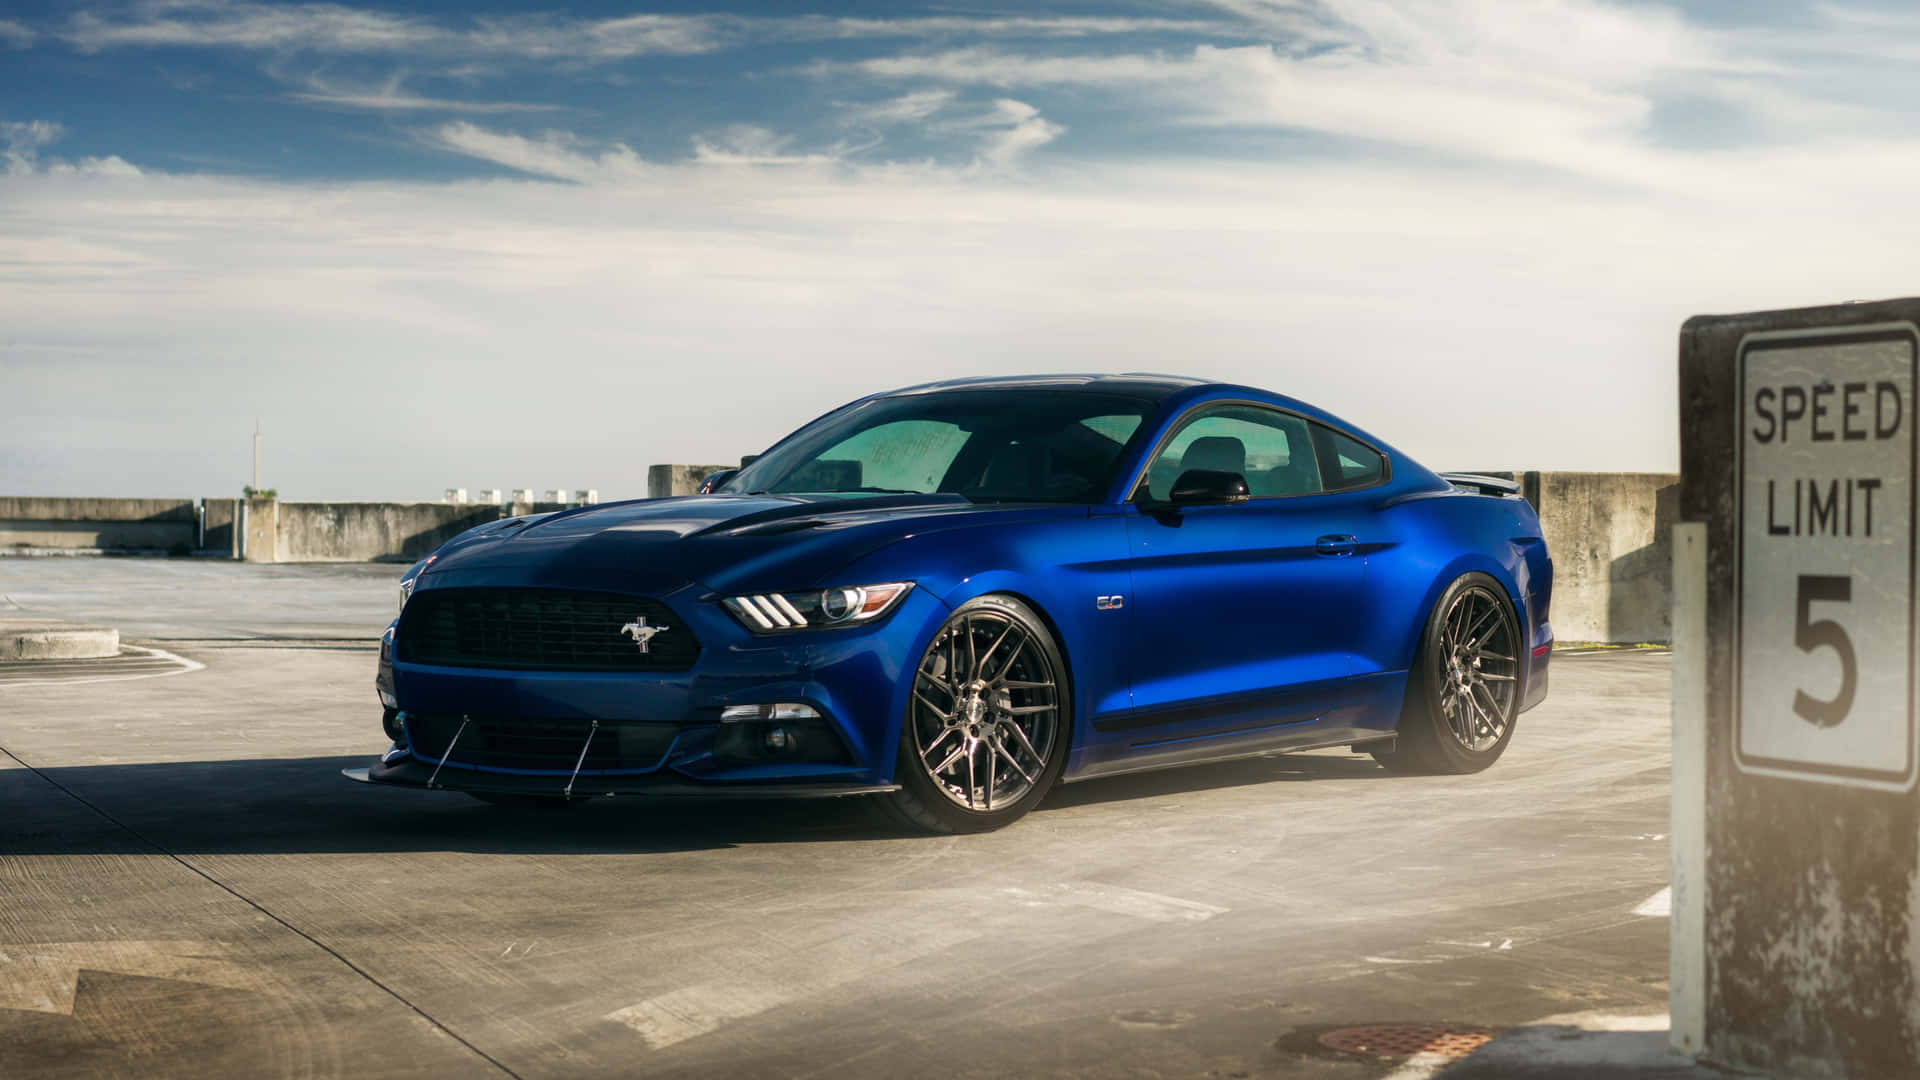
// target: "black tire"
[[1463, 693], [990, 689], [515, 801]]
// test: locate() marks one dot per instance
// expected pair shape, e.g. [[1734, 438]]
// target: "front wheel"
[[988, 716], [1463, 693]]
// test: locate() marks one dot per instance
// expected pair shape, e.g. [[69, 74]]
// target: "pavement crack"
[[262, 909]]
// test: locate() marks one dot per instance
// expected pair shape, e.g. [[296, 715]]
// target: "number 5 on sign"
[[1825, 634], [1824, 643]]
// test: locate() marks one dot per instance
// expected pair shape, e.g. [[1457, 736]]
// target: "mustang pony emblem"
[[641, 633]]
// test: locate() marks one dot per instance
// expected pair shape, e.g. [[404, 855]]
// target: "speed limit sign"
[[1824, 654]]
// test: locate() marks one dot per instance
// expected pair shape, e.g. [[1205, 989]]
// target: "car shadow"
[[255, 806], [1225, 774]]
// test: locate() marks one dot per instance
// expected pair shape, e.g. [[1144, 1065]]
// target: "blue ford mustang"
[[953, 596]]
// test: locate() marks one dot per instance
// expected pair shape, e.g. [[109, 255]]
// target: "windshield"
[[988, 445]]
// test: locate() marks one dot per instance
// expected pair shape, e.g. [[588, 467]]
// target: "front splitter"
[[413, 774]]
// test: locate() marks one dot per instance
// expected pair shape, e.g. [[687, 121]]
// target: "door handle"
[[1336, 545]]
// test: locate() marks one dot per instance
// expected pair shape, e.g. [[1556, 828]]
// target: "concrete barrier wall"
[[373, 532], [1611, 537], [1608, 532], [169, 525]]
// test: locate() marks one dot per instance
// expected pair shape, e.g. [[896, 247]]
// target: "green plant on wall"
[[252, 492]]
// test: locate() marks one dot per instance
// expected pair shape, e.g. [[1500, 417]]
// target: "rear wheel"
[[985, 734], [1463, 693]]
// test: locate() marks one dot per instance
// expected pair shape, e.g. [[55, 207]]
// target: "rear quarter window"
[[1347, 462]]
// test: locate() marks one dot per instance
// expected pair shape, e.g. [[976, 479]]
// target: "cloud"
[[574, 323], [23, 143], [749, 144], [1010, 130], [327, 27], [1581, 87], [21, 153], [1478, 212], [556, 155], [332, 28], [16, 34], [390, 97], [910, 108]]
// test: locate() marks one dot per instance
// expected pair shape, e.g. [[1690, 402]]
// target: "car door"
[[1245, 616]]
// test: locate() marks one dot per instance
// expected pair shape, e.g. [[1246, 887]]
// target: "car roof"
[[1137, 384]]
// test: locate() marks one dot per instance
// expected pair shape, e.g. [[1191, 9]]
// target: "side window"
[[1350, 463], [1273, 450]]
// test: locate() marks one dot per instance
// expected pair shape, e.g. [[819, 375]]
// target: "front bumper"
[[853, 677]]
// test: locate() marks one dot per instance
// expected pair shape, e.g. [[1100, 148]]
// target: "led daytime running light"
[[772, 613]]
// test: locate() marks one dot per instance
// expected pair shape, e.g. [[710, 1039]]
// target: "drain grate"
[[1405, 1040]]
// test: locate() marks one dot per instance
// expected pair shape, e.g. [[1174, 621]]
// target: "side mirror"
[[715, 481], [1208, 487]]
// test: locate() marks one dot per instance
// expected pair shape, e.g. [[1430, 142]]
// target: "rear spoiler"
[[1482, 485]]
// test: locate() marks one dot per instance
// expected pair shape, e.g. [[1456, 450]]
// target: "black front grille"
[[542, 630], [500, 742]]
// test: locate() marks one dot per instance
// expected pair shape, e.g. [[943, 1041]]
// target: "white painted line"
[[701, 1008], [182, 665], [1658, 905], [691, 1011], [696, 1010], [1139, 903]]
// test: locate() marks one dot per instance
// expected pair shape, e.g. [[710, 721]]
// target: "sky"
[[496, 245]]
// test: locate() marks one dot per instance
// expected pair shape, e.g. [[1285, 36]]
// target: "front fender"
[[1057, 567]]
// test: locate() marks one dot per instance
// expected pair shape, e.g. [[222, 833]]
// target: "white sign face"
[[1824, 657]]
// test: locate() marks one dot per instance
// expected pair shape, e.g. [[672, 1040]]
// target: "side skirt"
[[1319, 739]]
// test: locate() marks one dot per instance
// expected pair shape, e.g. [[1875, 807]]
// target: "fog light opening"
[[785, 710], [394, 722], [786, 733]]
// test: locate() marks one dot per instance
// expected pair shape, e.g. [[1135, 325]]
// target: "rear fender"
[[1440, 538]]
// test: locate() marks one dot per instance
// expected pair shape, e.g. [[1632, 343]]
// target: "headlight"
[[816, 609], [406, 590]]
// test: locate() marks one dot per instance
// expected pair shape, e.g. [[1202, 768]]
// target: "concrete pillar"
[[262, 542], [666, 480], [1794, 694], [220, 520]]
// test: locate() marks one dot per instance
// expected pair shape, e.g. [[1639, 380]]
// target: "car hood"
[[727, 543]]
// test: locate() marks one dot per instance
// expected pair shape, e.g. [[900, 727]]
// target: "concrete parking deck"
[[192, 889]]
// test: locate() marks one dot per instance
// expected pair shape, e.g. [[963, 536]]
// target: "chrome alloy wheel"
[[1478, 666], [986, 711]]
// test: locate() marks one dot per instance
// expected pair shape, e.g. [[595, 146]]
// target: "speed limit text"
[[1824, 412]]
